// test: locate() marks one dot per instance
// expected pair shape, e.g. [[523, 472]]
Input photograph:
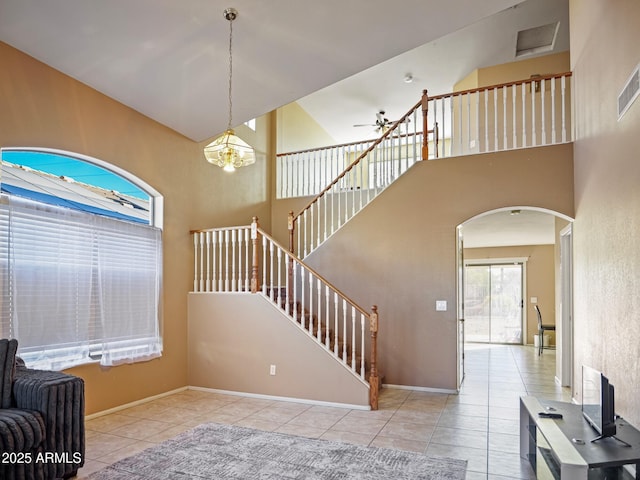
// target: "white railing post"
[[233, 259], [513, 116], [344, 331], [534, 139], [564, 127], [362, 345], [353, 338], [264, 265], [196, 235], [208, 280], [226, 260], [254, 255], [543, 100], [336, 309], [524, 116], [247, 263]]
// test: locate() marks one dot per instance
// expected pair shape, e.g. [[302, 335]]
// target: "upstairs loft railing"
[[245, 259], [523, 114], [308, 172], [528, 113]]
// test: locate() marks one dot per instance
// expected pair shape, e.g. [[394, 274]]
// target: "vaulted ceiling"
[[168, 59], [341, 60]]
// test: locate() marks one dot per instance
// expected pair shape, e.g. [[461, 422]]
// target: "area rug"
[[215, 452]]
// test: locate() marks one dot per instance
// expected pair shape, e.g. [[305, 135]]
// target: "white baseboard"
[[420, 389], [283, 399], [134, 404]]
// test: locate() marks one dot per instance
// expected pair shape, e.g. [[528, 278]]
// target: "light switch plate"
[[441, 305]]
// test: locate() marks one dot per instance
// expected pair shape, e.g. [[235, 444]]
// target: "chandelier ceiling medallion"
[[229, 151]]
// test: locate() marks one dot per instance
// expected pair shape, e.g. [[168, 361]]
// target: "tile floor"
[[479, 425]]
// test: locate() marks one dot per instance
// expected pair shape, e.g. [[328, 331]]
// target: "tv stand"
[[560, 448]]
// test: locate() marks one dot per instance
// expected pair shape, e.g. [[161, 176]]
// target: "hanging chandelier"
[[229, 151]]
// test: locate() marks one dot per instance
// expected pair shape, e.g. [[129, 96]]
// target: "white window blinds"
[[78, 287]]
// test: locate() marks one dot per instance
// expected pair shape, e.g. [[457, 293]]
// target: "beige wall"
[[400, 252], [43, 108], [540, 280], [604, 39], [533, 117], [234, 339], [297, 130], [514, 71]]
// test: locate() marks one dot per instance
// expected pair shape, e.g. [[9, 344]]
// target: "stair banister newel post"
[[291, 227], [374, 380], [255, 255], [425, 125]]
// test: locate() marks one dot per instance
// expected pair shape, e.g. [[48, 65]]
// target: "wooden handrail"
[[374, 381], [213, 229], [314, 273], [342, 145], [431, 98], [253, 239], [424, 103], [357, 160], [501, 85], [255, 231]]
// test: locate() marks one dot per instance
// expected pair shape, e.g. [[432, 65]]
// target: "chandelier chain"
[[230, 70], [228, 150]]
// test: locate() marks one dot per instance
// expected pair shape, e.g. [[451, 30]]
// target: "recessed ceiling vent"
[[629, 92], [537, 40]]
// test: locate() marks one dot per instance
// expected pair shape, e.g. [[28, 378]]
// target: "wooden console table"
[[562, 448]]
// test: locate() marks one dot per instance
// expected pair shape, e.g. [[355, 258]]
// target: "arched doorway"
[[529, 242]]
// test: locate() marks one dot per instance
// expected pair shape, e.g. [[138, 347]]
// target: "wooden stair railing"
[[365, 178], [521, 114], [247, 259]]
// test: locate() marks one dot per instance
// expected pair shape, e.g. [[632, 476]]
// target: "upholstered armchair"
[[41, 420]]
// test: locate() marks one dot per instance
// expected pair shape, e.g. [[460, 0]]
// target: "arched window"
[[80, 260]]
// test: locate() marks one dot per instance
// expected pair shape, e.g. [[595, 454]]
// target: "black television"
[[598, 404]]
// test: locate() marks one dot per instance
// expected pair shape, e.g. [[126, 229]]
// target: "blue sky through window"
[[78, 170]]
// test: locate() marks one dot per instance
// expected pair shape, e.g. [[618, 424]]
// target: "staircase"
[[368, 174], [246, 259], [324, 333]]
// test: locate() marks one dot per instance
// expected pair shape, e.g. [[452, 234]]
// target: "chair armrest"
[[60, 400]]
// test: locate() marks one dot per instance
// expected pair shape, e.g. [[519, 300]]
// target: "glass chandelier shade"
[[229, 151]]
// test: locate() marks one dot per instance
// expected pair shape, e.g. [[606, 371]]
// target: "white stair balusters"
[[229, 260]]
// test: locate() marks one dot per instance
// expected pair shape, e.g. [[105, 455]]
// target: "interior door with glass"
[[493, 303]]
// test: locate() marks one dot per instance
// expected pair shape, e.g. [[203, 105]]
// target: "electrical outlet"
[[272, 370], [441, 305]]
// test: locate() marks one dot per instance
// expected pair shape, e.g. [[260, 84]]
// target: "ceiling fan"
[[382, 122]]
